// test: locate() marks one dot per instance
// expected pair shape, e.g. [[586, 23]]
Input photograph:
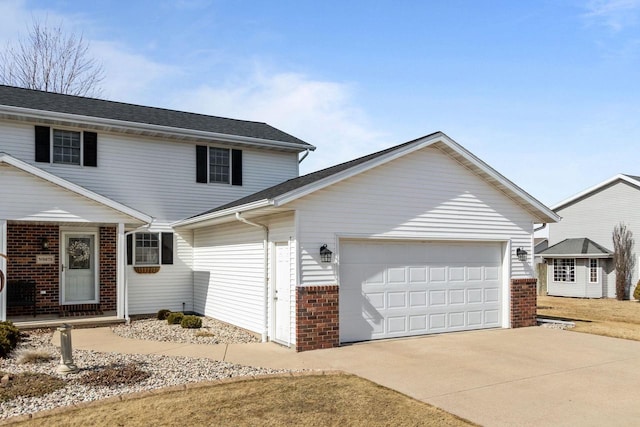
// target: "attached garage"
[[394, 289], [423, 238]]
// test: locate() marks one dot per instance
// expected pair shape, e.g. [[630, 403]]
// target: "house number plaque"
[[45, 259]]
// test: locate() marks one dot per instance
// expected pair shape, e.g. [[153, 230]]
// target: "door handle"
[[62, 267]]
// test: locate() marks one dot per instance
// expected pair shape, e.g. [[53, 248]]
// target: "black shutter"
[[236, 167], [201, 163], [43, 143], [129, 249], [90, 149], [167, 248]]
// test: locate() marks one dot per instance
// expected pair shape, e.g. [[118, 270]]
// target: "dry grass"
[[609, 317], [301, 401], [34, 356]]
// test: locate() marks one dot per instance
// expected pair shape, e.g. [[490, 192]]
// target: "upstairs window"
[[564, 270], [66, 147], [218, 165]]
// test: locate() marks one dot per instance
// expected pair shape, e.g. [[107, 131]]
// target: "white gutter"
[[144, 127], [265, 332], [223, 213]]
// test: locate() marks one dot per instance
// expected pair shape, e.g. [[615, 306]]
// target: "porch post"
[[120, 266], [3, 267]]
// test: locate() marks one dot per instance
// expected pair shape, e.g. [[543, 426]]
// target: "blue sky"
[[546, 92]]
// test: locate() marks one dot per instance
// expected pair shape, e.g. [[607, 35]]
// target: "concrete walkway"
[[503, 377]]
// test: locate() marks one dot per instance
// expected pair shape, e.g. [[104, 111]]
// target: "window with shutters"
[[66, 147], [218, 165], [150, 249]]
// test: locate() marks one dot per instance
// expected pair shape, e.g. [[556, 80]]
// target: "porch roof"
[[576, 248]]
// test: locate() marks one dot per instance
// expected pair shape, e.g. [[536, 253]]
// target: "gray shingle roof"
[[301, 181], [99, 108], [580, 246]]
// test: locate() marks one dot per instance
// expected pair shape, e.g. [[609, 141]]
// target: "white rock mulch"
[[212, 332], [165, 370]]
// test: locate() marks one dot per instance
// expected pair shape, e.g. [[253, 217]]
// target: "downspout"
[[542, 227], [145, 227], [304, 156], [265, 246]]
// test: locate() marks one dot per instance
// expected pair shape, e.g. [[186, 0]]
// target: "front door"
[[79, 269], [282, 303]]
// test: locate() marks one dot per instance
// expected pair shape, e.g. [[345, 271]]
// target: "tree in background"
[[623, 258], [51, 60]]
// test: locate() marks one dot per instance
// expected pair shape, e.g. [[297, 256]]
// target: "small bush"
[[174, 318], [191, 322], [163, 314], [28, 384], [34, 356], [9, 336], [636, 293]]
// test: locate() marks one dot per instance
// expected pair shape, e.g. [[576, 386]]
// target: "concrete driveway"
[[504, 377]]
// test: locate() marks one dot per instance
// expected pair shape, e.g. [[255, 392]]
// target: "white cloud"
[[322, 113], [614, 14]]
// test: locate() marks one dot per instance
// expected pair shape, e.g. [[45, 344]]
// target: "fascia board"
[[75, 188], [575, 255], [500, 178], [141, 127], [220, 214], [348, 173], [595, 188]]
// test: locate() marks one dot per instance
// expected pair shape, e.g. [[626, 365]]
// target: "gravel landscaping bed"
[[160, 371], [212, 332]]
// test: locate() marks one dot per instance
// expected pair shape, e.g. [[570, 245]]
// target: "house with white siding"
[[579, 258], [116, 207]]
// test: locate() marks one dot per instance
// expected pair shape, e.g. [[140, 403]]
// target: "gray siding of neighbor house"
[[595, 216], [581, 287]]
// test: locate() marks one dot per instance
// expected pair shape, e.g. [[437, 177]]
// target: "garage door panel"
[[399, 289]]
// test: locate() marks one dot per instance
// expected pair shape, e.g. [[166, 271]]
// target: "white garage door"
[[396, 289]]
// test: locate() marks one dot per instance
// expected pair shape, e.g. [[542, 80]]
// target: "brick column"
[[523, 302], [317, 317], [108, 268]]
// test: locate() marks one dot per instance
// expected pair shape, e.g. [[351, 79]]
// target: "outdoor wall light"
[[325, 254], [44, 243], [522, 254]]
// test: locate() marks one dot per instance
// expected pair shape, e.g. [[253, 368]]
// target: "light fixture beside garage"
[[522, 254], [325, 254]]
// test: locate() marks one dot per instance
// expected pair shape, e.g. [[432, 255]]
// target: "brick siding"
[[523, 302], [24, 242], [317, 317]]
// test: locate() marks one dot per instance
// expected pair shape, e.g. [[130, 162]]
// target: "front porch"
[[47, 279]]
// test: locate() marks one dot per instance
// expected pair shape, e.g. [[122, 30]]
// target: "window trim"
[[166, 240], [52, 137], [135, 249], [203, 165], [568, 273], [594, 269], [229, 166]]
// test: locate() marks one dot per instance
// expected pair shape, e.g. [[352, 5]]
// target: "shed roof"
[[578, 248]]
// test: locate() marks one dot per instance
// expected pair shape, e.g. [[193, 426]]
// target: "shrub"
[[174, 318], [191, 322], [163, 314], [636, 293], [9, 336]]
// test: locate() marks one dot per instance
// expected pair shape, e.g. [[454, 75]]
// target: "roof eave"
[[6, 158], [141, 128], [575, 255], [594, 188], [203, 220]]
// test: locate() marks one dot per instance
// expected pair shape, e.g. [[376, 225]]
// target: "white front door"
[[79, 268], [282, 300]]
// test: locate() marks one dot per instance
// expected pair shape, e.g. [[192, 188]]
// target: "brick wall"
[[108, 268], [317, 317], [24, 242], [523, 302]]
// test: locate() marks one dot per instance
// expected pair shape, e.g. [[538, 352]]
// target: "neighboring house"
[[578, 268], [579, 258], [204, 214]]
